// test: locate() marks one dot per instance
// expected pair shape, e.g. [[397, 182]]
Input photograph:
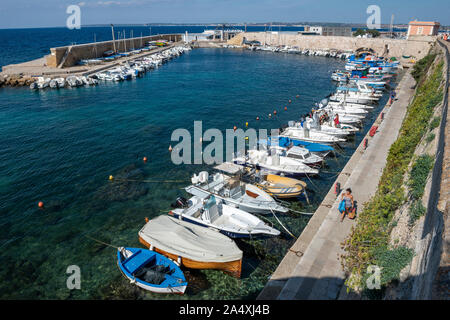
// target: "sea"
[[61, 146]]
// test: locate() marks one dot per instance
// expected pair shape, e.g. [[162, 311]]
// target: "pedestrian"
[[336, 121], [347, 197]]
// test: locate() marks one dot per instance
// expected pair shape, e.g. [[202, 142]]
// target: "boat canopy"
[[229, 168], [189, 241]]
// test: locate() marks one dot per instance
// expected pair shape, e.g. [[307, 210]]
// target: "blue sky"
[[49, 13]]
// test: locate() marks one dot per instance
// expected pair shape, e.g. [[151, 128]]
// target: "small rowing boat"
[[150, 270]]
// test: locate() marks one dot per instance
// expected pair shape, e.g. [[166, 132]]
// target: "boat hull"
[[231, 267]]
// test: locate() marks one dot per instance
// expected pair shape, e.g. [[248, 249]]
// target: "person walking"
[[347, 197]]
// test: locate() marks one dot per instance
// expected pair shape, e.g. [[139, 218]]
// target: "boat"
[[311, 136], [275, 185], [212, 212], [233, 191], [348, 105], [299, 153], [325, 128], [150, 270], [274, 163], [319, 149], [191, 246]]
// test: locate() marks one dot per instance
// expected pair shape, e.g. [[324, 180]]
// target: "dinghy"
[[192, 246], [213, 213], [233, 192], [275, 185], [150, 270]]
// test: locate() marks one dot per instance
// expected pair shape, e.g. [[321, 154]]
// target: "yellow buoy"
[[111, 178]]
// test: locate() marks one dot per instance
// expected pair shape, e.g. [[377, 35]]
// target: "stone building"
[[423, 28]]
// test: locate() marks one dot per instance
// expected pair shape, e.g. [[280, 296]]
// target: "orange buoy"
[[40, 204], [170, 148], [234, 128], [144, 159], [146, 220], [285, 108]]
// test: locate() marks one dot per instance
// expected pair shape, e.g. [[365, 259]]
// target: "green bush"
[[422, 66], [435, 123], [373, 225], [416, 211], [430, 137], [418, 175], [392, 262]]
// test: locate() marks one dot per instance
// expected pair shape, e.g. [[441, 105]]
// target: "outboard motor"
[[180, 202]]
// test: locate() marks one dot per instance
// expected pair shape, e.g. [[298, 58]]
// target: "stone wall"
[[417, 46], [427, 236], [69, 55]]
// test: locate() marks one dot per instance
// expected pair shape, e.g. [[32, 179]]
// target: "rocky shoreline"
[[15, 80]]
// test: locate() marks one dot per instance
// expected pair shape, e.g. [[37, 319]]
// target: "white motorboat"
[[234, 193], [212, 212], [298, 153], [306, 134], [274, 163]]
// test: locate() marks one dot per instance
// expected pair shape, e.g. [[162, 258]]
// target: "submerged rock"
[[126, 185], [196, 280]]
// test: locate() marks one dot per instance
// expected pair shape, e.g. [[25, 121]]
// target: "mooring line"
[[283, 225], [148, 181], [99, 241]]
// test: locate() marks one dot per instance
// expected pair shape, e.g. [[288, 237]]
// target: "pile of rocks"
[[16, 80]]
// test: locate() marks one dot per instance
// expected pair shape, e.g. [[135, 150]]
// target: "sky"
[[52, 13]]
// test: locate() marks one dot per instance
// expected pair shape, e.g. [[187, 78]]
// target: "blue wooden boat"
[[150, 270]]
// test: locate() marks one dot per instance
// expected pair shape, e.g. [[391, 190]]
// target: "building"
[[423, 28], [329, 31]]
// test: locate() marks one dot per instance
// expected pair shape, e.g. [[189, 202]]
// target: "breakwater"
[[415, 47], [68, 56]]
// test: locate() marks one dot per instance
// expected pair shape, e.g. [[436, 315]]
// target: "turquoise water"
[[60, 146]]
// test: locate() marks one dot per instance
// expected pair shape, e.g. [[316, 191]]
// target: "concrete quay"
[[312, 269], [39, 67]]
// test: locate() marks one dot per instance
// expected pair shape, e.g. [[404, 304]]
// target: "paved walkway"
[[312, 269]]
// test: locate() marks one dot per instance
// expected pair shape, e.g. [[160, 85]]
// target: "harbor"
[[265, 225]]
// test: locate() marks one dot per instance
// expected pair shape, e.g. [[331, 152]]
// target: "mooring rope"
[[99, 241], [149, 181], [301, 212], [282, 225]]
